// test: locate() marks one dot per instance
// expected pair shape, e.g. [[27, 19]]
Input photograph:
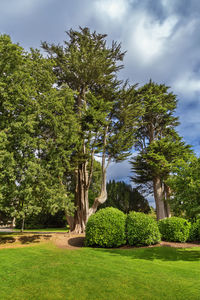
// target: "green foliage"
[[106, 228], [37, 134], [125, 198], [185, 185], [141, 229], [174, 229], [195, 231], [44, 220], [106, 109], [160, 147]]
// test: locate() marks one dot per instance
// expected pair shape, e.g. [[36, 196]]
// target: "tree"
[[185, 186], [36, 123], [126, 198], [158, 143], [105, 110]]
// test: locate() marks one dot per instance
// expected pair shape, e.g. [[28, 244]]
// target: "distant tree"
[[105, 110], [185, 186], [126, 198], [158, 143]]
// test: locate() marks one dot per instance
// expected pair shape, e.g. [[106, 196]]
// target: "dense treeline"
[[57, 112], [126, 198]]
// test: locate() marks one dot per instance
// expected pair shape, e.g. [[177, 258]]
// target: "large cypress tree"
[[104, 109]]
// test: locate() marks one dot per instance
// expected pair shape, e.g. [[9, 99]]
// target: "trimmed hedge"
[[106, 228], [174, 229], [141, 229], [195, 232]]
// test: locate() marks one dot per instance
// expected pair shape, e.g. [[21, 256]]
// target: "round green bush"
[[106, 228], [174, 229], [141, 229], [195, 232]]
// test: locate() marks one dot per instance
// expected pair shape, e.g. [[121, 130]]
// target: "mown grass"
[[46, 272]]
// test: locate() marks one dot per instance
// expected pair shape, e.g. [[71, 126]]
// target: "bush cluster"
[[174, 229], [110, 227], [141, 229], [106, 228]]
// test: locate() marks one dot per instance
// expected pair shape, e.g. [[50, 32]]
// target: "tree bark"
[[78, 222], [158, 195], [102, 196], [22, 227], [167, 197], [83, 178]]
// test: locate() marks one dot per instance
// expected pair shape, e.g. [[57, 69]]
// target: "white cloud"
[[113, 9], [187, 84], [150, 37]]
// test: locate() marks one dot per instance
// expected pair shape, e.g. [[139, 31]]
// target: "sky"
[[161, 37]]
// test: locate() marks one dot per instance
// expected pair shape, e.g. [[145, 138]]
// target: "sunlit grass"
[[46, 272]]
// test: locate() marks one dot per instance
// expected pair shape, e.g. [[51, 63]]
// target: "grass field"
[[47, 272]]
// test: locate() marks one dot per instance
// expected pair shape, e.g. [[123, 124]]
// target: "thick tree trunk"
[[158, 195], [78, 222]]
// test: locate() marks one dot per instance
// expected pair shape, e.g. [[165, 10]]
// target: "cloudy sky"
[[161, 37]]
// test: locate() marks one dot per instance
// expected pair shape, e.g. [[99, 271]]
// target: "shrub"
[[195, 232], [141, 229], [174, 229], [106, 228]]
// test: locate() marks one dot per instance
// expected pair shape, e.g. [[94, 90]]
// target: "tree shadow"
[[160, 253], [76, 241], [6, 239], [33, 238]]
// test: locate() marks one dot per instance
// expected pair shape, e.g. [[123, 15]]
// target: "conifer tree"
[[158, 143], [105, 110], [126, 198]]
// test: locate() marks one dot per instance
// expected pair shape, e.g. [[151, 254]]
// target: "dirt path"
[[67, 241]]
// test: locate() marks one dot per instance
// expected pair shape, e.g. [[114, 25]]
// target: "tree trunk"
[[78, 222], [13, 222], [103, 193], [158, 195], [167, 197], [22, 227], [102, 196]]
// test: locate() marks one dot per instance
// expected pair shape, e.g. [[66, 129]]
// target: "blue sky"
[[161, 38]]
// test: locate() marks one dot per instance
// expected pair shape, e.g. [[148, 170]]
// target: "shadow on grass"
[[6, 239], [160, 253], [23, 239], [33, 238]]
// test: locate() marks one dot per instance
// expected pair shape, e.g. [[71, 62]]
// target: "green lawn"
[[46, 272]]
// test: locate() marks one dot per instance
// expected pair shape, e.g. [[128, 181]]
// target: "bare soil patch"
[[69, 241]]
